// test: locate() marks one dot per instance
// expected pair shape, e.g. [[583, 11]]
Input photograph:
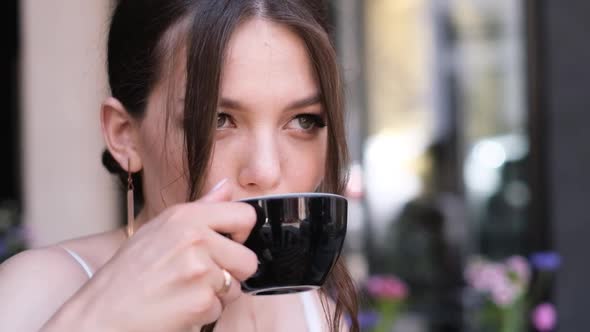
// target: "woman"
[[212, 101]]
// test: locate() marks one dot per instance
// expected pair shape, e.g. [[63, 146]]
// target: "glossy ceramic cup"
[[297, 238]]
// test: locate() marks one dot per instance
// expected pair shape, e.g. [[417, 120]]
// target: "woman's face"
[[271, 134]]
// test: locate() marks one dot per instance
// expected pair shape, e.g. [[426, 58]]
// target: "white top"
[[308, 300], [311, 312]]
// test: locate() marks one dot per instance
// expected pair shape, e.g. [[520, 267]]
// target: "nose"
[[261, 169]]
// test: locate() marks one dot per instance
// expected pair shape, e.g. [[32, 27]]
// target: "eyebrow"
[[301, 103]]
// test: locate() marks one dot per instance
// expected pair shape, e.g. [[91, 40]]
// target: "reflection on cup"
[[297, 238]]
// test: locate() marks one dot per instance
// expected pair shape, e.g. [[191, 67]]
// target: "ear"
[[119, 129]]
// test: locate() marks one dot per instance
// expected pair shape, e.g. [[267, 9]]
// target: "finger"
[[235, 220], [240, 261], [207, 305], [221, 192], [229, 218], [196, 266], [234, 292], [206, 279], [206, 261], [224, 285]]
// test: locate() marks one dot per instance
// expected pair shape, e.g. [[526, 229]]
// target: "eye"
[[223, 120], [307, 122]]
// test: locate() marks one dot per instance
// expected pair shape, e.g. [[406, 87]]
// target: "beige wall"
[[398, 68], [66, 191]]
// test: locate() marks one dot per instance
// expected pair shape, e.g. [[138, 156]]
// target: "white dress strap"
[[80, 261], [311, 311]]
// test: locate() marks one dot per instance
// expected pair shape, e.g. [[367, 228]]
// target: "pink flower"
[[544, 317], [473, 273], [520, 267], [387, 287], [489, 277], [504, 293]]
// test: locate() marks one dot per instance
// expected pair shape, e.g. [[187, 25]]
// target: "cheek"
[[303, 164], [228, 155]]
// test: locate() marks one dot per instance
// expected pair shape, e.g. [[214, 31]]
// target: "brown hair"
[[140, 37]]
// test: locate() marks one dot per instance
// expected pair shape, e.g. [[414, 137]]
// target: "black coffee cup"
[[297, 238]]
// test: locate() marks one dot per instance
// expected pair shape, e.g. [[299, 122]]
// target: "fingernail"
[[218, 185]]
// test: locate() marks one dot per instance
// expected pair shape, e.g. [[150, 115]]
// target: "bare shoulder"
[[39, 264], [96, 249], [54, 263], [34, 284]]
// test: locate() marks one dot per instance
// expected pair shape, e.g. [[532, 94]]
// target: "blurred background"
[[468, 126]]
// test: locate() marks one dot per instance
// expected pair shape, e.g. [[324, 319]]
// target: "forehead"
[[266, 60]]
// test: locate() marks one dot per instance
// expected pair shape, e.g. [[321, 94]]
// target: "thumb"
[[221, 192]]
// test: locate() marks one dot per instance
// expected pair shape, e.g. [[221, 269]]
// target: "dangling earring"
[[130, 211]]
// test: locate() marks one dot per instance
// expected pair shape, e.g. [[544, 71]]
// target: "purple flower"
[[544, 317], [546, 261], [387, 287], [368, 319]]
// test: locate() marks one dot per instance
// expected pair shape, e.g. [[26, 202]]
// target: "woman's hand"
[[169, 275]]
